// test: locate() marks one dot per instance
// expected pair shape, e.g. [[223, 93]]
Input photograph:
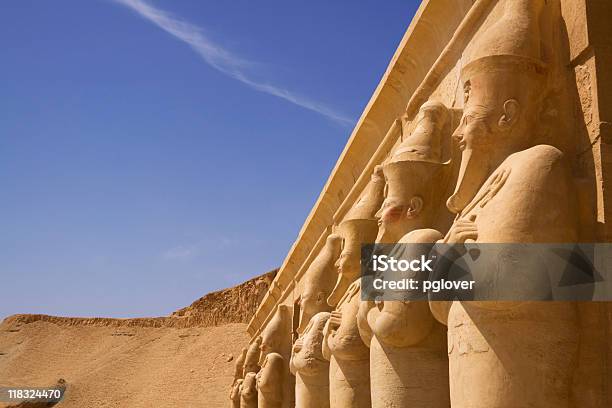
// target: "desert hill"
[[182, 360]]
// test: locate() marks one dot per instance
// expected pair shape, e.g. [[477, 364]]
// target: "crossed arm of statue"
[[366, 318], [462, 231], [331, 326], [297, 346]]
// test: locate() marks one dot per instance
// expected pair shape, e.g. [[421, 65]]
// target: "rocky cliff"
[[185, 359]]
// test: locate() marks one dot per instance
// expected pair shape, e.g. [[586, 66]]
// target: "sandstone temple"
[[491, 124]]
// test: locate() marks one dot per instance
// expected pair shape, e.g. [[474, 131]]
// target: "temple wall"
[[427, 65], [429, 33]]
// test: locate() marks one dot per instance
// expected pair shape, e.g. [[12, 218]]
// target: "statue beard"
[[305, 315], [390, 232], [473, 172], [342, 285], [309, 361]]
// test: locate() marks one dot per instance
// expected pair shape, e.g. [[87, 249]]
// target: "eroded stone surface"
[[528, 162], [310, 367]]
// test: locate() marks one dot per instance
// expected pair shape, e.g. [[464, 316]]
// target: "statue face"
[[348, 267], [236, 389], [489, 131], [239, 365], [474, 137], [349, 263], [312, 301], [249, 390], [252, 357], [271, 375], [307, 355], [406, 174], [318, 281], [391, 221], [397, 217], [266, 347]]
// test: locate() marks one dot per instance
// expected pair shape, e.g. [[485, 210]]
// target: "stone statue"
[[309, 366], [510, 354], [251, 359], [358, 227], [318, 282], [408, 363], [238, 377], [411, 202], [349, 373], [248, 391], [239, 365], [236, 392], [276, 338], [271, 381]]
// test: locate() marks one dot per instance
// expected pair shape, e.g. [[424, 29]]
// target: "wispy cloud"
[[202, 247], [223, 60], [181, 252]]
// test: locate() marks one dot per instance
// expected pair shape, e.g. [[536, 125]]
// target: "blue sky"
[[152, 151]]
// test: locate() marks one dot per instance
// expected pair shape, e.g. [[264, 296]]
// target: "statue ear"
[[415, 208], [510, 115], [321, 298]]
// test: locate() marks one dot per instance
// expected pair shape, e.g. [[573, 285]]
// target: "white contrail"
[[221, 59]]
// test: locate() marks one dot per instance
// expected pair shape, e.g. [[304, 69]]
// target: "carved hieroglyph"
[[310, 367], [505, 355], [349, 374], [318, 281], [271, 381], [408, 365]]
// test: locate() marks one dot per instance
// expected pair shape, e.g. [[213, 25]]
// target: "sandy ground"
[[128, 367], [183, 360]]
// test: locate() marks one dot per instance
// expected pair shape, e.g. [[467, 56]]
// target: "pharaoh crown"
[[512, 44]]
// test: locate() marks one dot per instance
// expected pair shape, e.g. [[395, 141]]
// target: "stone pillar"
[[271, 381], [248, 391], [349, 369], [511, 354], [276, 338], [309, 366], [408, 363]]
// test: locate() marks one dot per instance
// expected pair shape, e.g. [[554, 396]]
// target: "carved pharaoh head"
[[358, 227], [248, 391], [239, 365], [251, 359], [307, 354], [235, 392], [413, 174], [503, 86], [318, 281], [271, 377], [276, 336]]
